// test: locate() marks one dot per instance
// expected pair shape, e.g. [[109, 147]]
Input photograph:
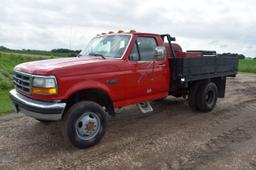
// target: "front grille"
[[22, 81]]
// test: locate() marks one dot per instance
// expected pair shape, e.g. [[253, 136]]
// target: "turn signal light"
[[46, 91]]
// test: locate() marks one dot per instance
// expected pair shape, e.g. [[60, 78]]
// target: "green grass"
[[42, 53], [247, 65], [7, 63], [5, 102]]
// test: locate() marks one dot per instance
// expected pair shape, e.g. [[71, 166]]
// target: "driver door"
[[148, 76]]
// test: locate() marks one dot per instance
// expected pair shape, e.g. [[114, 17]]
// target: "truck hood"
[[51, 66]]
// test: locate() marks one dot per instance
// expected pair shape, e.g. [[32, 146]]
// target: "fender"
[[88, 84]]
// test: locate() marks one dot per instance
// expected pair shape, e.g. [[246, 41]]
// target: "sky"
[[221, 25]]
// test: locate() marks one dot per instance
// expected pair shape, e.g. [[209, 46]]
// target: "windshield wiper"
[[95, 54]]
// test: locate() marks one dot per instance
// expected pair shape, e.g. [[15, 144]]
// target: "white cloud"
[[225, 26]]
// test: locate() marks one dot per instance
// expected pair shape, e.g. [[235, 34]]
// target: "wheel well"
[[219, 81], [221, 85], [197, 83], [94, 95]]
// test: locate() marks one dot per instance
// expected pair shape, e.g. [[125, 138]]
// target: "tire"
[[84, 124], [192, 97], [207, 97]]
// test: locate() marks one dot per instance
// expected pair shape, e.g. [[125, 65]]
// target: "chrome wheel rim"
[[88, 125]]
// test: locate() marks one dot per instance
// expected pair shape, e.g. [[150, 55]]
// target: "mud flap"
[[145, 107]]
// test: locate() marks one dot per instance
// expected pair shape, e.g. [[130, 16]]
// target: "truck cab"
[[113, 71]]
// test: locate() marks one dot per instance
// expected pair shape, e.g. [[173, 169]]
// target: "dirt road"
[[171, 137]]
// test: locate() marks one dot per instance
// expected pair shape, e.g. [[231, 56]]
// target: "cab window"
[[134, 56], [146, 47], [143, 49]]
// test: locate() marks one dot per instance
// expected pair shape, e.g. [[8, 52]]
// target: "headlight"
[[43, 82], [44, 85]]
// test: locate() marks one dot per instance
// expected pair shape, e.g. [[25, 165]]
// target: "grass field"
[[248, 66], [5, 102], [58, 53], [9, 60], [44, 53]]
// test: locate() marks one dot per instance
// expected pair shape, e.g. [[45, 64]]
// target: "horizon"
[[76, 50]]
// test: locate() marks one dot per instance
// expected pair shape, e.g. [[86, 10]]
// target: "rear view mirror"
[[159, 53]]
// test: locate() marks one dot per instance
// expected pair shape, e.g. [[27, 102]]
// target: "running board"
[[145, 107]]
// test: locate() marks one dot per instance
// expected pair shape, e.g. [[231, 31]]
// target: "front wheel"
[[84, 124]]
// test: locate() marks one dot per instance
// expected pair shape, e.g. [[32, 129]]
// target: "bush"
[[240, 56]]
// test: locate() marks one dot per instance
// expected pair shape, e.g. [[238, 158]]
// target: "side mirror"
[[160, 53], [173, 39]]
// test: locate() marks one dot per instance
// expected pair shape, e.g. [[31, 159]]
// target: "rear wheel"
[[192, 97], [84, 124], [207, 97]]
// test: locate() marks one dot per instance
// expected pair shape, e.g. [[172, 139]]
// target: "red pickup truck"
[[113, 71]]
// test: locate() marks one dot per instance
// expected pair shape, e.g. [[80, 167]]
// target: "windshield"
[[107, 46]]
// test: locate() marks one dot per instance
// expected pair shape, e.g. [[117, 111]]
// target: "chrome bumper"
[[37, 109]]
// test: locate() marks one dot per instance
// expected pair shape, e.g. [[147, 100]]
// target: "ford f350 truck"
[[113, 71]]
